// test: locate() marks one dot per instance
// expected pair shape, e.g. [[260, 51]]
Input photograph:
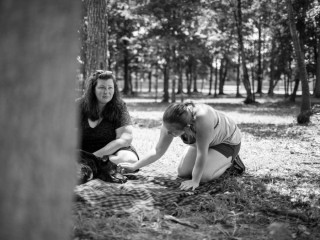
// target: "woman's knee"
[[183, 172]]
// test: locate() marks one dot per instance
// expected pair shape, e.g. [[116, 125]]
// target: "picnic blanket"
[[140, 194]]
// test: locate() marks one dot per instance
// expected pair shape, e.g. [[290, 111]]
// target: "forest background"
[[190, 47]]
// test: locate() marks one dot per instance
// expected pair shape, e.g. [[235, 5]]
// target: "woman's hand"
[[186, 185], [129, 167]]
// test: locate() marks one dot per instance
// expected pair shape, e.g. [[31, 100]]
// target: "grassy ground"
[[277, 198]]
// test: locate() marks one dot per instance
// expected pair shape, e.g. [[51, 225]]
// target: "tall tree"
[[38, 49], [97, 35], [246, 82], [304, 115], [317, 30], [317, 86]]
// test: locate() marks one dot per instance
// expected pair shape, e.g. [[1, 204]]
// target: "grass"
[[277, 197]]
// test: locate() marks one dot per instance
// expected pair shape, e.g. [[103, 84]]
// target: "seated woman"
[[214, 143], [105, 124]]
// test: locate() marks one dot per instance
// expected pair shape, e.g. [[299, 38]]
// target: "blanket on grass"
[[140, 194]]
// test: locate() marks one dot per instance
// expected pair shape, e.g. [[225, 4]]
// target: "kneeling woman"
[[214, 143]]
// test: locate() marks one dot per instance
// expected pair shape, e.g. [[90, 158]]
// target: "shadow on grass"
[[255, 201], [230, 207]]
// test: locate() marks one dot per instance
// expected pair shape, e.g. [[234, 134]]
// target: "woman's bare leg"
[[215, 166]]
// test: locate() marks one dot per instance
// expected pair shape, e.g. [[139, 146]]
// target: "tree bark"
[[216, 78], [223, 75], [246, 82], [305, 108], [211, 77], [127, 86], [97, 36], [180, 80], [296, 80], [238, 77], [38, 48], [165, 83], [317, 86], [272, 68], [259, 72], [195, 76]]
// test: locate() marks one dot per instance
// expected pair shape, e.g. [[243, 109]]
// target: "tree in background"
[[95, 37], [238, 17], [192, 39], [305, 109], [314, 19]]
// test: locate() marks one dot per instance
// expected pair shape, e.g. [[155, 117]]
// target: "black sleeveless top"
[[93, 139]]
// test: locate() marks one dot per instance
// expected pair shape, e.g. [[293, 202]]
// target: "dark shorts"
[[227, 150], [130, 148]]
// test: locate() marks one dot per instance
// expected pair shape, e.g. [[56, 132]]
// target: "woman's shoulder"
[[202, 110], [205, 115]]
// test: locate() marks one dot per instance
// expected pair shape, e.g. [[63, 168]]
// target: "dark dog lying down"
[[91, 167]]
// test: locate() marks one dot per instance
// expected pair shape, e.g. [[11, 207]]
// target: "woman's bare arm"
[[154, 154], [123, 139]]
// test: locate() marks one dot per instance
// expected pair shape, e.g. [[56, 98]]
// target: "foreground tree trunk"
[[38, 48], [305, 109]]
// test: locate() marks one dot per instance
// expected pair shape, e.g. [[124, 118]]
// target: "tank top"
[[225, 130]]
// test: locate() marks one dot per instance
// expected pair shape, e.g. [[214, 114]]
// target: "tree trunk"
[[173, 90], [195, 76], [38, 48], [317, 86], [296, 80], [211, 78], [83, 38], [97, 35], [259, 71], [246, 82], [216, 78], [272, 66], [223, 75], [156, 85], [127, 84], [180, 82], [188, 77], [166, 84], [238, 77], [305, 108], [149, 81]]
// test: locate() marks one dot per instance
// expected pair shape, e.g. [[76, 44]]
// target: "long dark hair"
[[89, 106], [176, 113]]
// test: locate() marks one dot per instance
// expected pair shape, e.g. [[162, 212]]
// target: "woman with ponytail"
[[213, 138]]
